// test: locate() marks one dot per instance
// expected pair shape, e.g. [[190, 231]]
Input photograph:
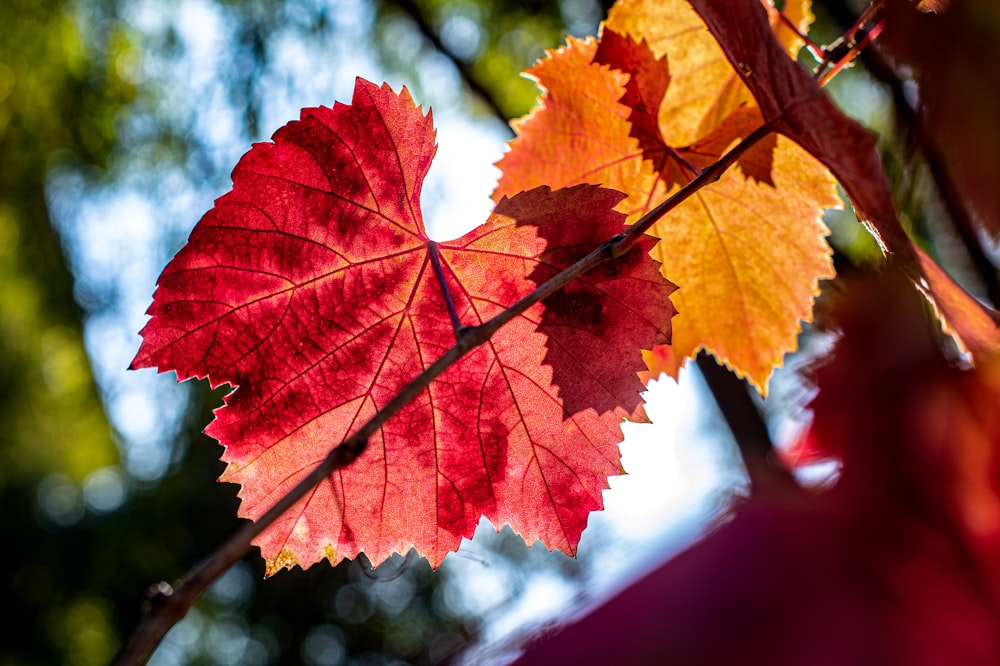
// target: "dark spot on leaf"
[[582, 307]]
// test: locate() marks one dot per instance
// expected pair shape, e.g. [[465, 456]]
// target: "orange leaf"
[[579, 134], [747, 251], [748, 257], [700, 74]]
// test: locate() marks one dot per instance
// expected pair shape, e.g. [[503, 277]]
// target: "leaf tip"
[[284, 560]]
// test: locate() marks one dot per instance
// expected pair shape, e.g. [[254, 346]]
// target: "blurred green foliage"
[[57, 102], [51, 416]]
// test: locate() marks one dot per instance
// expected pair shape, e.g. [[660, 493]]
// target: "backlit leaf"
[[642, 112], [790, 95], [310, 288]]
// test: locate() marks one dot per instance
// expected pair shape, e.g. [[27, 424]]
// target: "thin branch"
[[768, 477], [842, 51], [870, 35]]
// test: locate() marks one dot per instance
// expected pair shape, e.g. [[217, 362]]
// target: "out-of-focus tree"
[[57, 457], [86, 97]]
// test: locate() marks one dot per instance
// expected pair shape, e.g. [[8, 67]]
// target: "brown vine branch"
[[768, 477], [168, 606], [865, 29]]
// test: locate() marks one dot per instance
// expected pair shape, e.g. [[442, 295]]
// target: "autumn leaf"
[[791, 98], [704, 88], [648, 82], [700, 74], [311, 287], [642, 111], [578, 133]]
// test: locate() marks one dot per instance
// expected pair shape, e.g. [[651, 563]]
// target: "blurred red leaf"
[[897, 564], [310, 288], [957, 99]]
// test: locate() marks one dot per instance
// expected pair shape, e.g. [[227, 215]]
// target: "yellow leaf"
[[748, 258], [698, 68], [747, 251]]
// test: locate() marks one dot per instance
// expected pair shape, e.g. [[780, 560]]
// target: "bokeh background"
[[119, 123]]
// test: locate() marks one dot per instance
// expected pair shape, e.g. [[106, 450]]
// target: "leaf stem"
[[435, 256], [683, 161]]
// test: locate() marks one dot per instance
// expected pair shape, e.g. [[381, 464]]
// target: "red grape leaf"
[[309, 287], [789, 95]]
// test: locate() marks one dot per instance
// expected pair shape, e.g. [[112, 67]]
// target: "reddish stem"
[[815, 49], [853, 52], [843, 51], [435, 257]]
